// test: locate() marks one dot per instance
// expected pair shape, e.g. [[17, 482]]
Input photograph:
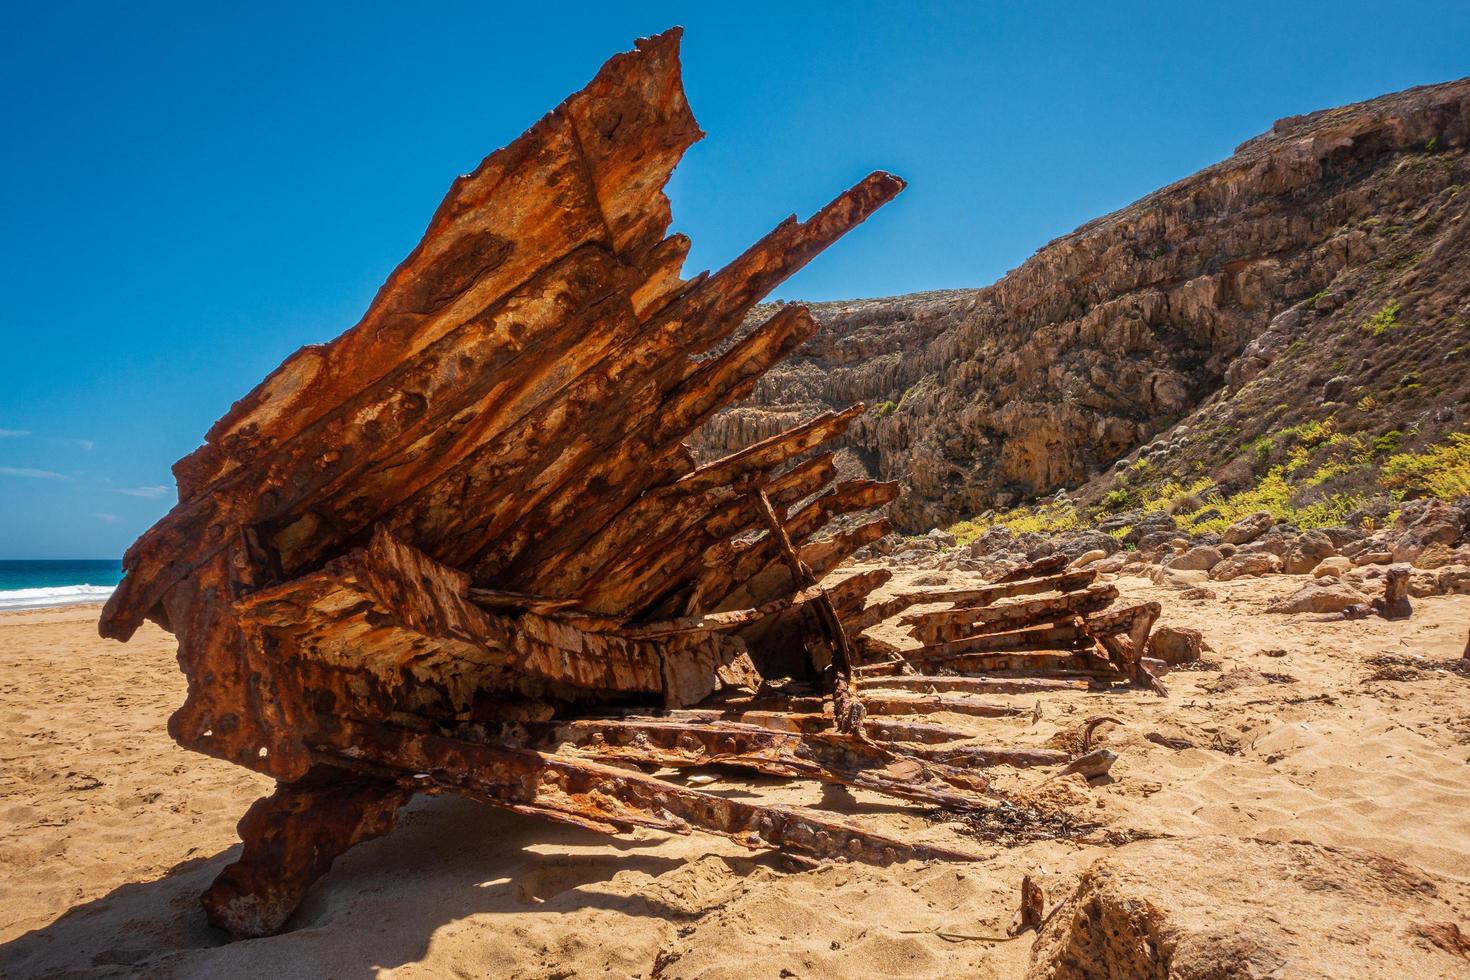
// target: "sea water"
[[38, 584]]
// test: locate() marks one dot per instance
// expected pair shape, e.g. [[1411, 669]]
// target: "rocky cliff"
[[1321, 273]]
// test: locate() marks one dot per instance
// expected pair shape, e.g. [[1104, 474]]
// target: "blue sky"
[[193, 191]]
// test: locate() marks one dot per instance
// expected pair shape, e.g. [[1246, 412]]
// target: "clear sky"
[[191, 191]]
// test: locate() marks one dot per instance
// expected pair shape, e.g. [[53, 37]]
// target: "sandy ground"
[[108, 831]]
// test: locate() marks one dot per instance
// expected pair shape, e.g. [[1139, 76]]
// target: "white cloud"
[[106, 518], [14, 433], [86, 445], [31, 474], [151, 493]]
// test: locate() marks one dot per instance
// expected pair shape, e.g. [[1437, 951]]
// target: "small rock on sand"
[[1248, 528], [1257, 563], [1319, 596], [1175, 645]]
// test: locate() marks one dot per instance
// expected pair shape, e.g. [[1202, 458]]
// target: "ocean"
[[38, 584]]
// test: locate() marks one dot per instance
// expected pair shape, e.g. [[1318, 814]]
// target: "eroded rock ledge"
[[1261, 268]]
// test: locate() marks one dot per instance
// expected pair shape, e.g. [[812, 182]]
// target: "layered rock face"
[[1218, 305]]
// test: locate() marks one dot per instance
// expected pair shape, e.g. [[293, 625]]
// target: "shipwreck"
[[463, 547]]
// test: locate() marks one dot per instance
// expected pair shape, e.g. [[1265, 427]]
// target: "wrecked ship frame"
[[463, 547]]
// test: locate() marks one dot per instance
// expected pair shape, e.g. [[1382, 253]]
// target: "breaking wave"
[[61, 595]]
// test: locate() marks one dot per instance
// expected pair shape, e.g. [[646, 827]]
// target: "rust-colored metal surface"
[[463, 547]]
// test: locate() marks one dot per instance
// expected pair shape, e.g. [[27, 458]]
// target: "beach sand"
[[109, 831]]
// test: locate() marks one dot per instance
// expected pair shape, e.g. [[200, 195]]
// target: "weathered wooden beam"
[[932, 683], [1066, 637], [955, 624], [986, 594]]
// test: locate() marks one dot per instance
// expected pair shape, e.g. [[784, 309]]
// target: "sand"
[[108, 830]]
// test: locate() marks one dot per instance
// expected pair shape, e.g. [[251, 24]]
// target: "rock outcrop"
[[1324, 267], [1197, 909]]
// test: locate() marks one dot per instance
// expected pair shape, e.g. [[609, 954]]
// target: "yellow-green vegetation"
[[1441, 470], [1384, 320], [1276, 494], [884, 409], [1293, 491], [1052, 518]]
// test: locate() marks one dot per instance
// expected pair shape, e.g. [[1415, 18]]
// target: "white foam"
[[61, 595]]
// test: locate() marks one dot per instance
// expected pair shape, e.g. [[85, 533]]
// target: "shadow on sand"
[[379, 907]]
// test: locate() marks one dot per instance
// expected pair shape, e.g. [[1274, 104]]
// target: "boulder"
[[929, 579], [1424, 582], [1175, 645], [1373, 558], [1341, 535], [1454, 580], [1426, 522], [994, 539], [1109, 565], [1077, 543], [1270, 543], [1248, 528], [1201, 558], [942, 537], [1435, 555], [1155, 541], [1307, 552], [1319, 596], [1175, 578], [1259, 563], [1118, 522], [1155, 522], [1336, 567]]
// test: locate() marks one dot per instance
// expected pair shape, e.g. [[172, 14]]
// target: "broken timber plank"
[[955, 624]]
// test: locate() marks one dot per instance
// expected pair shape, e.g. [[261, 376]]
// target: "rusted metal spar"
[[990, 755], [825, 756], [604, 797], [896, 704], [879, 729], [847, 708]]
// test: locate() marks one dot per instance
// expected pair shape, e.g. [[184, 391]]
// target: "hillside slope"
[[1298, 312]]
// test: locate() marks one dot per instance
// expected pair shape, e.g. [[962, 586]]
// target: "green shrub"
[[1384, 320], [1441, 470]]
